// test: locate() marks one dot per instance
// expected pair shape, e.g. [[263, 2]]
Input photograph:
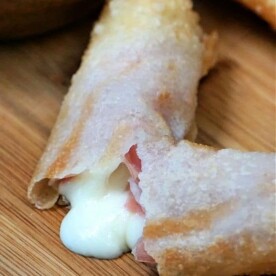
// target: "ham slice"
[[137, 81], [133, 163], [141, 254]]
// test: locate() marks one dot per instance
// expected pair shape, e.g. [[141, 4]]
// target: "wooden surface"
[[236, 109]]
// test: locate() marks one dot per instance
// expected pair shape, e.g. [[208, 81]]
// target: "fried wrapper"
[[138, 80], [208, 212]]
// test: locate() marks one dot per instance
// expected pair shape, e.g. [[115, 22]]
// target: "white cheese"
[[98, 223]]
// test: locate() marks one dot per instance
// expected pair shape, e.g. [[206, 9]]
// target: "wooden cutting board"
[[236, 109]]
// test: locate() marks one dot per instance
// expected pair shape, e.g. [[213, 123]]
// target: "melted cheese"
[[98, 224]]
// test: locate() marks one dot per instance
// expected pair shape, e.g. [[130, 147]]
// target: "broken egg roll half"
[[137, 80], [207, 211]]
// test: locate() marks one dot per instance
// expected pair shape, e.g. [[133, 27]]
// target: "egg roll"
[[207, 211], [138, 79]]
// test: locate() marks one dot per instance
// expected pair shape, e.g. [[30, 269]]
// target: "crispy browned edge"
[[223, 257]]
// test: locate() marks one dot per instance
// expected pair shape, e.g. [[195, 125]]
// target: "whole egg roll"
[[137, 80], [208, 212]]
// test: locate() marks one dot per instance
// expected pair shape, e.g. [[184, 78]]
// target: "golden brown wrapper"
[[138, 80], [208, 212]]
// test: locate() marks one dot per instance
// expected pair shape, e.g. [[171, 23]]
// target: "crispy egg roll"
[[137, 81], [139, 74], [112, 155], [208, 212]]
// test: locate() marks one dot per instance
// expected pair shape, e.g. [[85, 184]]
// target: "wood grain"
[[236, 109]]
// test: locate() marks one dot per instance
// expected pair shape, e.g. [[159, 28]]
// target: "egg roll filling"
[[105, 219]]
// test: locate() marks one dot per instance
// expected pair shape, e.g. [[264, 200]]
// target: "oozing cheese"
[[98, 223]]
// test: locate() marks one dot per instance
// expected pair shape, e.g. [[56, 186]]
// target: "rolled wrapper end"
[[50, 172], [43, 192], [43, 189], [43, 195]]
